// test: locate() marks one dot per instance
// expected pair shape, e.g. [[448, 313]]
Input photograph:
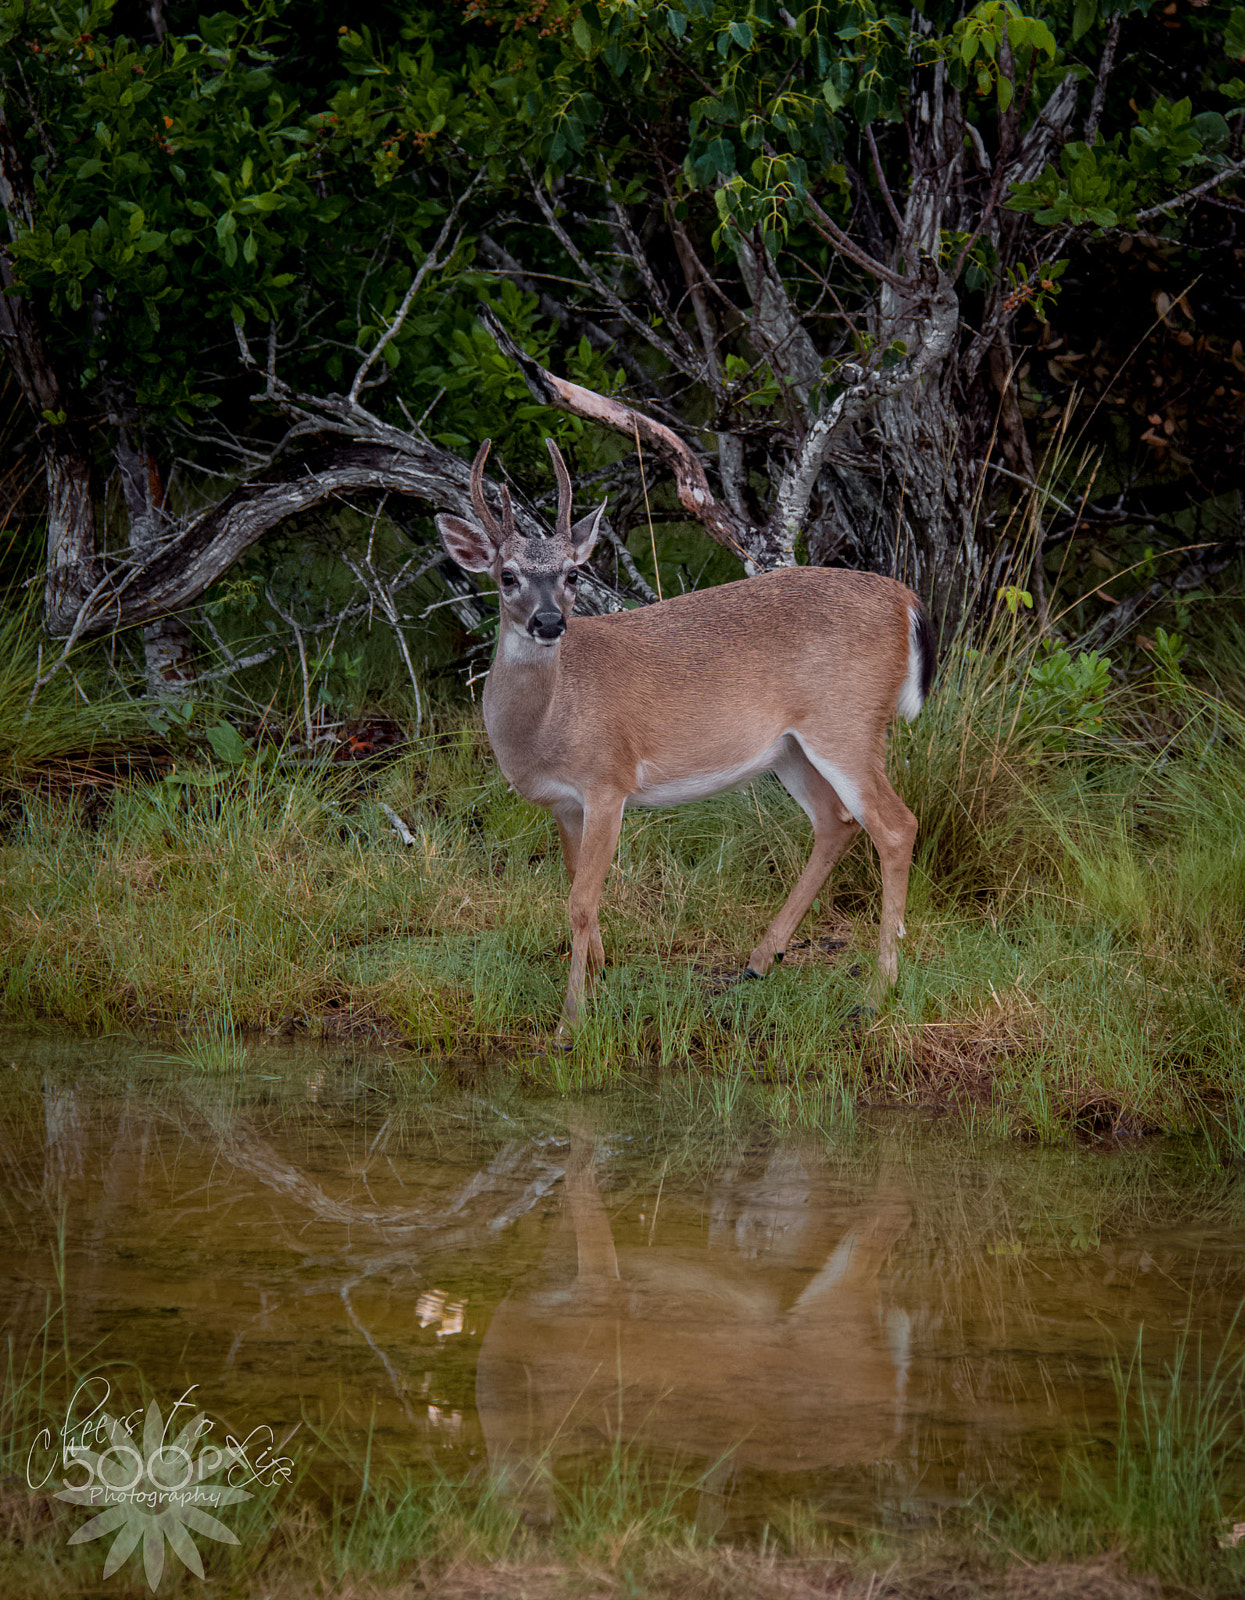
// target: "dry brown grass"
[[732, 1574]]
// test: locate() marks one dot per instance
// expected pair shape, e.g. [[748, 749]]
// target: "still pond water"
[[862, 1327]]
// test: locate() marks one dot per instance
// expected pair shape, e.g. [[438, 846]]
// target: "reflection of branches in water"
[[486, 1201], [395, 1376], [499, 1178], [480, 1198], [1013, 1254], [368, 1239], [238, 1143]]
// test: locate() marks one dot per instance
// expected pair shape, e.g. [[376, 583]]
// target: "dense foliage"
[[841, 270]]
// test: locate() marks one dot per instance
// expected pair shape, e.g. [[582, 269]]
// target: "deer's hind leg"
[[834, 828], [892, 828]]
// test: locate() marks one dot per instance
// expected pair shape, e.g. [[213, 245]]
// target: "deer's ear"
[[470, 546], [584, 535]]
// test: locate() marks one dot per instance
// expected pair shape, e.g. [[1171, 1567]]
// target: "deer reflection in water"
[[788, 1361]]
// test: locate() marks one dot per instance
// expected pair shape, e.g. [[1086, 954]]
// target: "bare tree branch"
[[691, 484], [833, 234], [1105, 65], [656, 293], [880, 173], [680, 360], [431, 263], [1190, 195], [568, 318], [380, 593]]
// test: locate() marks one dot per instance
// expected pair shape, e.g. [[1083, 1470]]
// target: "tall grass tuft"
[[1179, 1461], [51, 713]]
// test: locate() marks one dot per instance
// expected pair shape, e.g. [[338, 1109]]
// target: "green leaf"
[[718, 160], [1084, 15], [227, 744]]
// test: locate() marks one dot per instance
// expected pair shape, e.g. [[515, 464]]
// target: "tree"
[[816, 232], [160, 197], [783, 253]]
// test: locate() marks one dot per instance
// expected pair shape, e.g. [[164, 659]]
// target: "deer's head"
[[535, 577]]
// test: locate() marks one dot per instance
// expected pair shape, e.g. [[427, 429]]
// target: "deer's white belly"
[[653, 788]]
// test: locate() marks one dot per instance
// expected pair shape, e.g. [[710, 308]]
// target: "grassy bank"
[[1075, 923]]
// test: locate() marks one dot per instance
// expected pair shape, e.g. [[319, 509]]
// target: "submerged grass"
[[1075, 925], [342, 1526], [1166, 1486]]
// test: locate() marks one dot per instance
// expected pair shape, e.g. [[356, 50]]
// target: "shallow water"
[[861, 1328]]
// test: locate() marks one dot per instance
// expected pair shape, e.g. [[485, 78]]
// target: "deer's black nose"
[[547, 625]]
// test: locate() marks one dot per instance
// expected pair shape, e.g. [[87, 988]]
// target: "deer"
[[797, 671]]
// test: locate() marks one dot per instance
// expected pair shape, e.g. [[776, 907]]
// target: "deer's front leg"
[[587, 860]]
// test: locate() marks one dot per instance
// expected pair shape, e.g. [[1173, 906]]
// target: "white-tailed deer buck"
[[796, 672]]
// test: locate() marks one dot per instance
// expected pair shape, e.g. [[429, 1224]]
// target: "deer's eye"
[[508, 580], [571, 579]]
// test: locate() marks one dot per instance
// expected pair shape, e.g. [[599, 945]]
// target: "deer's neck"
[[520, 700]]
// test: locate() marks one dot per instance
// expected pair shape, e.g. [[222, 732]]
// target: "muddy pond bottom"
[[337, 1258]]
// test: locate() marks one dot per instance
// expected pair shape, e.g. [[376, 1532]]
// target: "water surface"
[[862, 1327]]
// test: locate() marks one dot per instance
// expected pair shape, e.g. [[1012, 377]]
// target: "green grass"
[[1178, 1449], [1164, 1485], [1075, 921], [54, 719]]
